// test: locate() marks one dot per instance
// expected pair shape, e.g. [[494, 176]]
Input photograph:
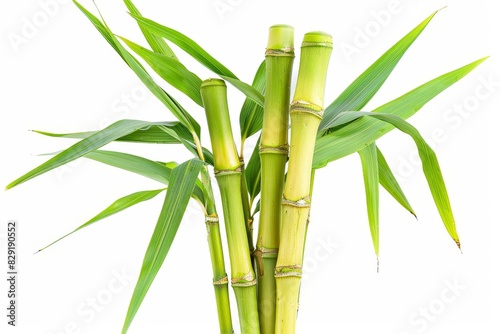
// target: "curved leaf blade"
[[253, 174], [182, 183], [87, 145], [180, 113], [361, 90], [369, 165], [252, 114], [250, 92], [117, 206], [157, 44], [170, 70], [389, 182], [362, 132], [430, 166]]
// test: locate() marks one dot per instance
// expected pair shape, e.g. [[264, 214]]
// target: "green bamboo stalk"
[[306, 112], [228, 174], [220, 280], [273, 154]]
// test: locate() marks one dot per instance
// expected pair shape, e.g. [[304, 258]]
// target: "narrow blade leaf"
[[253, 173], [430, 166], [117, 206], [182, 183], [251, 114], [87, 145], [370, 175], [357, 135], [389, 182], [157, 44], [361, 90], [170, 70], [180, 113]]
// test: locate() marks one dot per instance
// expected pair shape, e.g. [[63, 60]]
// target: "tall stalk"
[[305, 113], [228, 174], [273, 155]]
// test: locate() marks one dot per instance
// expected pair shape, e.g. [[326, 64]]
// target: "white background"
[[62, 77]]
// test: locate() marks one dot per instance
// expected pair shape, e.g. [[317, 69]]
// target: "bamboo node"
[[322, 44], [227, 171], [304, 202], [245, 281], [283, 149], [306, 107], [211, 220], [222, 281], [288, 271], [283, 52]]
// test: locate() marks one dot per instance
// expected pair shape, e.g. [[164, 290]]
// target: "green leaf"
[[253, 173], [151, 134], [199, 54], [87, 145], [185, 43], [170, 70], [117, 206], [389, 182], [158, 44], [141, 166], [370, 175], [362, 132], [251, 114], [361, 90], [430, 166], [180, 113], [182, 183]]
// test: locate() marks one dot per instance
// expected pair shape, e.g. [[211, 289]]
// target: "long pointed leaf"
[[370, 175], [430, 166], [87, 145], [199, 54], [253, 173], [251, 114], [357, 135], [170, 70], [182, 184], [389, 182], [361, 90], [158, 44], [180, 113], [117, 206]]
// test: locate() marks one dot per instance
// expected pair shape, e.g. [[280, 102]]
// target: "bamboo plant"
[[278, 178]]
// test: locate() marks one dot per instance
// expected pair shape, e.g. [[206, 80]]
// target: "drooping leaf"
[[430, 166], [199, 54], [180, 113], [370, 176], [389, 182], [117, 206], [170, 70], [361, 90], [362, 132], [182, 183], [252, 114], [141, 166], [157, 44], [87, 145]]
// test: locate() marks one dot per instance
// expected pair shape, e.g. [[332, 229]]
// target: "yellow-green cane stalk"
[[228, 174], [220, 280], [273, 154], [305, 113]]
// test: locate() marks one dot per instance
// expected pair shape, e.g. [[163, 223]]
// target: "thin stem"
[[305, 113], [273, 155]]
